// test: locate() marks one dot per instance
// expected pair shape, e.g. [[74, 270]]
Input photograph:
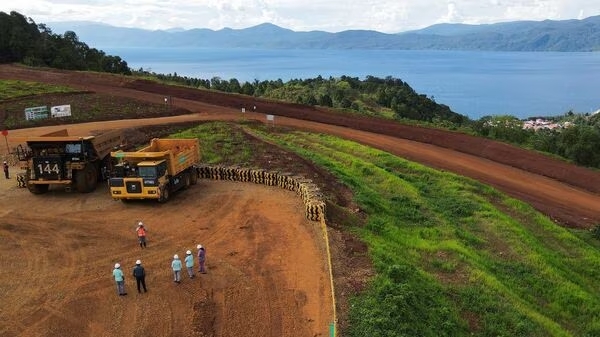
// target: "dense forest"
[[577, 140], [24, 41]]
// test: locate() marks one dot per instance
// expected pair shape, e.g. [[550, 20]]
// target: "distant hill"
[[548, 35]]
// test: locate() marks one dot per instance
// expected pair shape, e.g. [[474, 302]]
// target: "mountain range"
[[549, 35]]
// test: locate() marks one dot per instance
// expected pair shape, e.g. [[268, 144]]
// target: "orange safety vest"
[[141, 231]]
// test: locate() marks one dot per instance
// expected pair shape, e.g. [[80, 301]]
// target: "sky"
[[387, 16]]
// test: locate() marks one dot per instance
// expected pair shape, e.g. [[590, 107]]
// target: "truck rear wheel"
[[194, 176], [187, 180], [38, 189], [86, 179]]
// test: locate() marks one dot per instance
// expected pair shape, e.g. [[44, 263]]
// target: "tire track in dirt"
[[96, 232], [40, 250]]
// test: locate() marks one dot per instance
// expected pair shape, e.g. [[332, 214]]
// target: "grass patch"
[[455, 257], [10, 89], [221, 143]]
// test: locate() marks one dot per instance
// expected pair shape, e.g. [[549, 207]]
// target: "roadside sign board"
[[60, 111], [38, 112]]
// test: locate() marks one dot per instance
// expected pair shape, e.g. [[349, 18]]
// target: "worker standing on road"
[[140, 276], [189, 263], [5, 167], [176, 266], [201, 259], [120, 279], [141, 234]]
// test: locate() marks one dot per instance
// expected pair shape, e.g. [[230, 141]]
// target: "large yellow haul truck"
[[155, 171]]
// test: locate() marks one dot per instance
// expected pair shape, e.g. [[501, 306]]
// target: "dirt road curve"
[[267, 269]]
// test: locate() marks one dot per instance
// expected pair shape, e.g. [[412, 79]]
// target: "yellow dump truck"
[[60, 159], [155, 171]]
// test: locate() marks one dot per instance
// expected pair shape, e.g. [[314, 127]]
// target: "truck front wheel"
[[86, 178], [164, 194], [38, 188]]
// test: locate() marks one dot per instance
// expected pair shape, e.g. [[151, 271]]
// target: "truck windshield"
[[147, 171], [73, 148]]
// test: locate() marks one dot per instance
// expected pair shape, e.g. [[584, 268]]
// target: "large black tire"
[[187, 180], [38, 189], [165, 194], [194, 177], [86, 179]]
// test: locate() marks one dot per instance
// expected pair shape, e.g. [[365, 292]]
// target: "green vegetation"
[[452, 257], [577, 140], [221, 143], [22, 40], [15, 96], [383, 97], [10, 89]]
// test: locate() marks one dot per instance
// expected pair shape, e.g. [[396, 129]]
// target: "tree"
[[325, 100]]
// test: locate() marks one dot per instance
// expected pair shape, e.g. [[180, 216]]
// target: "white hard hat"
[[140, 223], [189, 252], [117, 265], [175, 256], [199, 246], [138, 262]]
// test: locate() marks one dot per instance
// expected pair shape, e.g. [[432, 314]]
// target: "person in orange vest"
[[141, 234]]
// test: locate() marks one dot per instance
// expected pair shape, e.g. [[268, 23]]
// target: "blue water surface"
[[472, 83]]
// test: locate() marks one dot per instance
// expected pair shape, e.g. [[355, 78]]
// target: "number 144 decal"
[[48, 168]]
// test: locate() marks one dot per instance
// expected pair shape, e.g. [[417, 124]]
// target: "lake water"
[[475, 84]]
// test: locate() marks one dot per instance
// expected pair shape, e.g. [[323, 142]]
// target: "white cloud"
[[388, 16]]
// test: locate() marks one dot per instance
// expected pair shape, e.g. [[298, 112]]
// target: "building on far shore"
[[540, 123]]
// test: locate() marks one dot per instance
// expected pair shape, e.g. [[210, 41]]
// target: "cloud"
[[390, 16]]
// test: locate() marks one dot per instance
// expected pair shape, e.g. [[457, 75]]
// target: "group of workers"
[[139, 273]]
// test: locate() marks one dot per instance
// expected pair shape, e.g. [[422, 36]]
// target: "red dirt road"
[[267, 267], [267, 271]]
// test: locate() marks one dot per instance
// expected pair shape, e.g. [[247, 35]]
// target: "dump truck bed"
[[180, 154], [104, 143]]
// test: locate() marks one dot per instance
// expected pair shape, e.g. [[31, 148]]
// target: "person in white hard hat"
[[141, 234], [201, 258], [140, 276], [176, 266], [120, 279], [189, 263], [5, 166]]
